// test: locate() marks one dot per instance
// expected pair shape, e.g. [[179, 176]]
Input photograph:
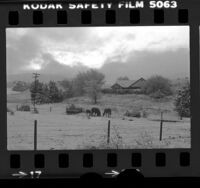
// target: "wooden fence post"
[[108, 136], [161, 125], [35, 135]]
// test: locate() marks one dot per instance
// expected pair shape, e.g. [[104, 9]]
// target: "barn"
[[123, 86]]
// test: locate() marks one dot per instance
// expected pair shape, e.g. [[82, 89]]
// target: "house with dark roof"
[[128, 85]]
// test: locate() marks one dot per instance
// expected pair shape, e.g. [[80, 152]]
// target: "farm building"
[[128, 85]]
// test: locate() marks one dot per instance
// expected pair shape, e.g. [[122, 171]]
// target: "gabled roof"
[[125, 83], [128, 83], [138, 83]]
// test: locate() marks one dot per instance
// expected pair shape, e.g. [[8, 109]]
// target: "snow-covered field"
[[57, 130], [61, 131]]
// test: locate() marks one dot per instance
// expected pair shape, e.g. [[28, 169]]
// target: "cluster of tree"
[[21, 86], [85, 83], [157, 87], [42, 93], [182, 101]]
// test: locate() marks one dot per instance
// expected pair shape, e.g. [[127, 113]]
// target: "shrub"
[[25, 108], [138, 91], [144, 114], [157, 95], [116, 139], [182, 101], [123, 91], [133, 113], [145, 140], [72, 106], [73, 109], [157, 87], [107, 91], [35, 111], [136, 111], [20, 86]]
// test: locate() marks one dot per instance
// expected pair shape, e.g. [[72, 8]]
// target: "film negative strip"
[[99, 87]]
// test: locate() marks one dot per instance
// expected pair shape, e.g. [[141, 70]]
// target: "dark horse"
[[88, 112], [107, 112], [95, 112]]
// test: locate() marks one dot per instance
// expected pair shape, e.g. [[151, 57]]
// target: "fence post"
[[35, 135], [108, 136], [161, 125]]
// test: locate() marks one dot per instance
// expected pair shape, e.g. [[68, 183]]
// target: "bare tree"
[[93, 85], [93, 90]]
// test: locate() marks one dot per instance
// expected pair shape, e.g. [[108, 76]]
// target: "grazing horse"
[[107, 112], [88, 112], [95, 112]]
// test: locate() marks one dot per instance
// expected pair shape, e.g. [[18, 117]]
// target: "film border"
[[47, 161]]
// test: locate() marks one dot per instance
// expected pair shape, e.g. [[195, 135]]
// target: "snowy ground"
[[56, 130], [61, 131]]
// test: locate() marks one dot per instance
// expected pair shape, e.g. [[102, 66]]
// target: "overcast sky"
[[104, 48]]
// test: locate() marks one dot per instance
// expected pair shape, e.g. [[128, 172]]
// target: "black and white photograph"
[[74, 88]]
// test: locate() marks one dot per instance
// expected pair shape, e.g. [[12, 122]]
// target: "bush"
[[72, 106], [157, 95], [138, 92], [126, 91], [145, 140], [133, 113], [182, 101], [157, 87], [144, 114], [25, 108], [20, 86], [123, 91], [35, 111], [107, 91], [73, 109]]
